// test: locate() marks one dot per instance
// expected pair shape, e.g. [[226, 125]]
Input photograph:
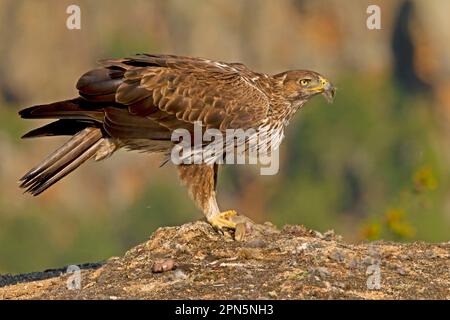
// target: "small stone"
[[163, 265], [272, 294], [401, 271]]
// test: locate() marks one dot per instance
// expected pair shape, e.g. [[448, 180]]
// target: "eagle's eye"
[[305, 82]]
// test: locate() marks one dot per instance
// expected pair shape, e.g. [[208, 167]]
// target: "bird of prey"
[[136, 103]]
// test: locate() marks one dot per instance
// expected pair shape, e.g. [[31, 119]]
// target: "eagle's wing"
[[174, 92], [138, 102]]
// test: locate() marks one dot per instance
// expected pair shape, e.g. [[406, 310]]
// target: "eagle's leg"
[[201, 181]]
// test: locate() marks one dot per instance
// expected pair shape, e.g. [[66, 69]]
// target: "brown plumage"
[[136, 103]]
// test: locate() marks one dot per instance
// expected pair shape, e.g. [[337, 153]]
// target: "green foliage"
[[397, 223]]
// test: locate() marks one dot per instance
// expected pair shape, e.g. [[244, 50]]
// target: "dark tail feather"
[[59, 128], [67, 109], [63, 161]]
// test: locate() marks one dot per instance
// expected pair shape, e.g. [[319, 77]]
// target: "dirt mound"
[[193, 261]]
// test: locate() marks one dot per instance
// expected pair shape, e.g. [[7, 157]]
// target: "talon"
[[222, 220]]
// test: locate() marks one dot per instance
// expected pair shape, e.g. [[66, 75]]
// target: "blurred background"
[[374, 165]]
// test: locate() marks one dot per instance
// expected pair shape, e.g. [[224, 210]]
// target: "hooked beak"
[[329, 92], [327, 89]]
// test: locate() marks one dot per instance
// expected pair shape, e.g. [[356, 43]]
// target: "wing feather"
[[175, 91]]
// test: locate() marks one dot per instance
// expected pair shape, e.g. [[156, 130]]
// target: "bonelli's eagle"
[[137, 103]]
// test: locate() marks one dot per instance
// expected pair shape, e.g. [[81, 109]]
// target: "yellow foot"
[[222, 220]]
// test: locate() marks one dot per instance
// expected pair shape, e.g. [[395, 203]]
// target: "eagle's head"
[[303, 84]]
